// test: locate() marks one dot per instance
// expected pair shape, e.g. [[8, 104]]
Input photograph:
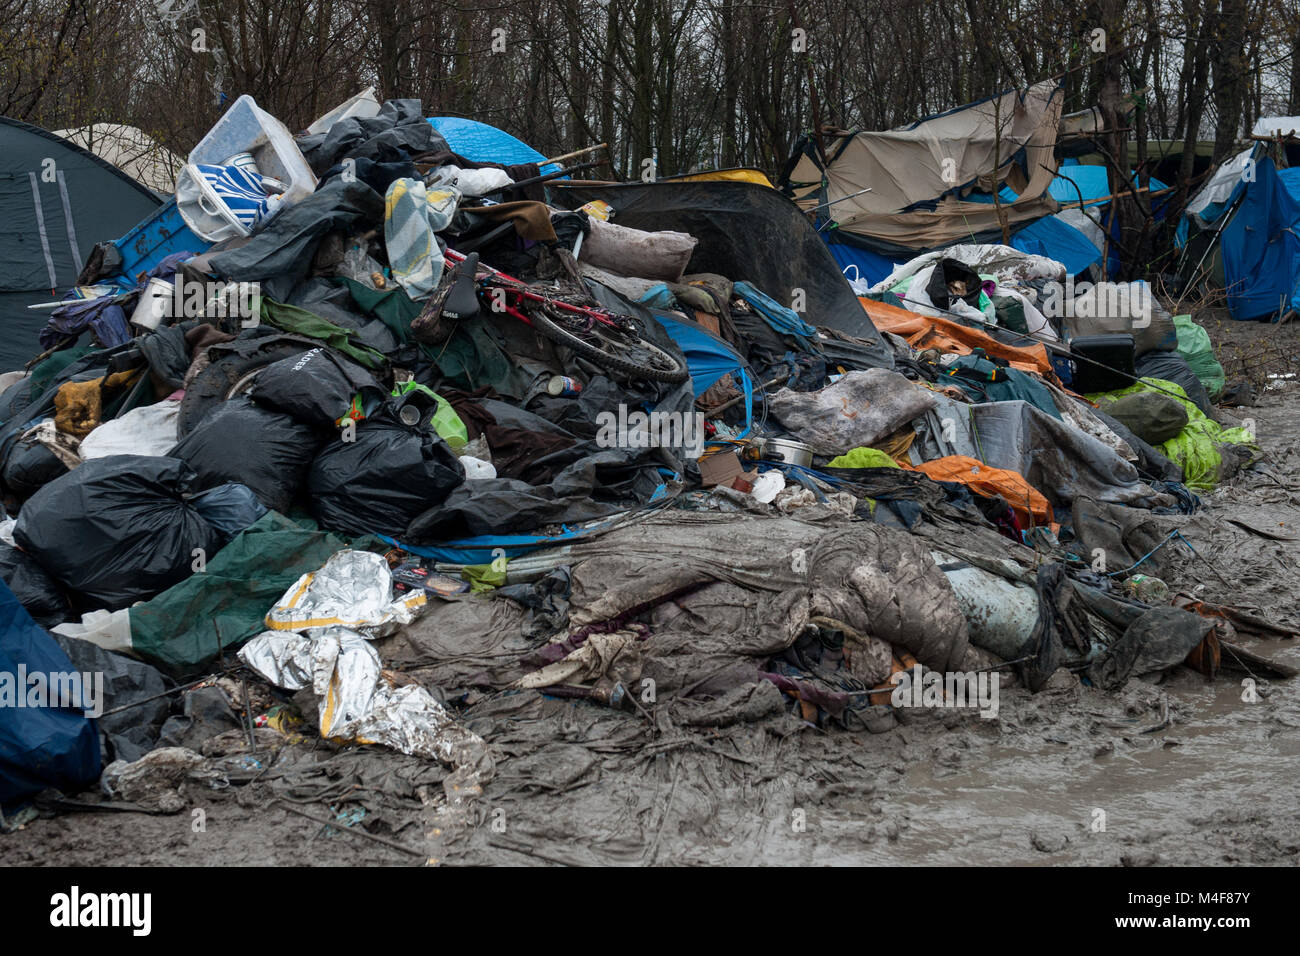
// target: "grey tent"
[[56, 201]]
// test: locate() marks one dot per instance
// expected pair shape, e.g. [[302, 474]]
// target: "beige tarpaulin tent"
[[131, 150], [920, 176]]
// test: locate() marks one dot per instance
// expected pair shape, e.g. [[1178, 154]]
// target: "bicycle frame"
[[516, 292]]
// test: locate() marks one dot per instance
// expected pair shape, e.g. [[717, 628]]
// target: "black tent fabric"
[[745, 231], [56, 201]]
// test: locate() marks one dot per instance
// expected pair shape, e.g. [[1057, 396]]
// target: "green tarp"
[[183, 630], [290, 318]]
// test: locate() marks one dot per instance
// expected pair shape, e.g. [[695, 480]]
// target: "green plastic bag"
[[445, 421], [1196, 447], [1194, 345], [863, 458]]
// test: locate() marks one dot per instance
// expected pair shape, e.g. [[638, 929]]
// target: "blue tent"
[[40, 746], [486, 144], [1261, 249]]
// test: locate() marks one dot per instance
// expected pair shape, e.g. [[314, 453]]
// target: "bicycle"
[[609, 339]]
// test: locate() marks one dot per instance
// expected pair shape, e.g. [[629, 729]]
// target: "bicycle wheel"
[[614, 349]]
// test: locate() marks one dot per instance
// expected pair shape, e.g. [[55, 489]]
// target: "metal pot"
[[791, 452]]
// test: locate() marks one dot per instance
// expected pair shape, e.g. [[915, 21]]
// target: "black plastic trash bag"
[[117, 530], [386, 476], [243, 442], [317, 387], [1173, 367], [36, 591], [230, 508], [30, 467]]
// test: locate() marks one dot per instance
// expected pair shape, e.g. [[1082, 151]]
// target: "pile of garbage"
[[380, 429]]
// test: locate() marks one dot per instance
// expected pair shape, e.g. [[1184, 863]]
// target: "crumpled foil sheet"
[[353, 590]]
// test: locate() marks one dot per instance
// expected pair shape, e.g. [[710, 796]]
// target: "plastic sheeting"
[[1195, 346], [1058, 459], [40, 746], [149, 430], [860, 409], [1198, 449]]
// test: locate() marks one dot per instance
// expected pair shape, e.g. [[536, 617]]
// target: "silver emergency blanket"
[[354, 590], [320, 638], [357, 704], [858, 410], [1060, 460]]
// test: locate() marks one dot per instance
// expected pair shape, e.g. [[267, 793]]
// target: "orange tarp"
[[926, 331], [1025, 500]]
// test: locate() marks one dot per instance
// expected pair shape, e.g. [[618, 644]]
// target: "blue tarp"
[[40, 746], [1057, 239], [707, 356], [1261, 249], [1049, 237], [871, 266], [486, 144], [1092, 183]]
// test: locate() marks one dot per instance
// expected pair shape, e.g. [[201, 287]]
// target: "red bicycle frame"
[[516, 288]]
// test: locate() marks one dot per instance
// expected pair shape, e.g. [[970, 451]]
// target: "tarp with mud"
[[697, 603]]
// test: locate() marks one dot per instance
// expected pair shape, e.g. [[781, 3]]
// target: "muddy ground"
[[1065, 776]]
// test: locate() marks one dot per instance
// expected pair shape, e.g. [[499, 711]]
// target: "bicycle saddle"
[[462, 301]]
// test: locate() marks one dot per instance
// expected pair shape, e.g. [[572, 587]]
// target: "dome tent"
[[56, 201]]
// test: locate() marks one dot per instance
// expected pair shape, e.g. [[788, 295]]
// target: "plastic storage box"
[[248, 128], [156, 238]]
